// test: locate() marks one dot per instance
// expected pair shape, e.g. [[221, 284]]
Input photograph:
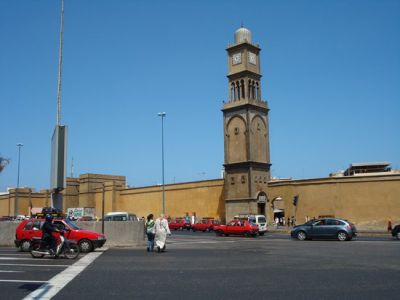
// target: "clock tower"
[[246, 133]]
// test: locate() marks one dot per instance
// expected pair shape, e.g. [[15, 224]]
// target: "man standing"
[[162, 229]]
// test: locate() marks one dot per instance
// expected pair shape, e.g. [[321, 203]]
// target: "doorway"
[[261, 199]]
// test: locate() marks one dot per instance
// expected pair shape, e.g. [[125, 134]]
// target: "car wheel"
[[301, 236], [261, 233], [25, 246], [247, 234], [342, 236], [398, 235], [193, 229], [85, 245]]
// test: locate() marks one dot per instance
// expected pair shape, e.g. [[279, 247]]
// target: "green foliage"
[[3, 163]]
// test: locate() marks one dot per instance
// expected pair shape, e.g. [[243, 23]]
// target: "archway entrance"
[[278, 207]]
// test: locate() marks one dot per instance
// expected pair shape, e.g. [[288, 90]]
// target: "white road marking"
[[57, 283], [19, 258], [23, 281], [33, 265], [5, 271]]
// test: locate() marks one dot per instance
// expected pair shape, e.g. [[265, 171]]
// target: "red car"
[[86, 239], [206, 224], [237, 227], [179, 223]]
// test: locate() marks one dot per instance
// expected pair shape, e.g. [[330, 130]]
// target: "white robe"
[[162, 229]]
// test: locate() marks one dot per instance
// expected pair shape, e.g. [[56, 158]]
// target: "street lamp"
[[19, 145], [162, 115]]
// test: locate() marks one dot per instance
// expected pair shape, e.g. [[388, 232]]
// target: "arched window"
[[233, 96], [238, 89], [242, 88], [249, 90], [252, 90], [258, 96]]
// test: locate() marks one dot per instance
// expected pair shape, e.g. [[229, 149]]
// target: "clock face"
[[236, 58], [252, 58]]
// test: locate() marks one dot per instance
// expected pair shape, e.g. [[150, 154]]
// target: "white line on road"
[[19, 258], [25, 281], [5, 271], [57, 283], [33, 265]]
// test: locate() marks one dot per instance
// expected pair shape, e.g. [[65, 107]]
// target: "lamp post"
[[19, 145], [162, 115]]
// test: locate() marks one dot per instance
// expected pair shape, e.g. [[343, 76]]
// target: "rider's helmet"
[[49, 217]]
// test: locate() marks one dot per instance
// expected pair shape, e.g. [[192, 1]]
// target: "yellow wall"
[[368, 201], [204, 198]]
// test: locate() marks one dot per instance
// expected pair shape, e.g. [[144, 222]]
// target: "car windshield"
[[72, 224], [261, 220]]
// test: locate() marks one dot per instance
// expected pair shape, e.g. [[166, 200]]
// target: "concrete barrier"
[[7, 233], [127, 234]]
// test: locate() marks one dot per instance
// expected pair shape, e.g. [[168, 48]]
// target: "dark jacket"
[[48, 228]]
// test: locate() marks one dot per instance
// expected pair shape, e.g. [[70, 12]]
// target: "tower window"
[[258, 96], [249, 90], [238, 90], [243, 179], [242, 88], [232, 180], [233, 94], [236, 130]]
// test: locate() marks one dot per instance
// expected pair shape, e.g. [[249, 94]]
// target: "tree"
[[3, 163]]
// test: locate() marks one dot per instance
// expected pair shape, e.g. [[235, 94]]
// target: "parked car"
[[260, 220], [179, 223], [237, 227], [206, 224], [86, 239], [396, 232], [120, 216], [325, 228], [86, 218]]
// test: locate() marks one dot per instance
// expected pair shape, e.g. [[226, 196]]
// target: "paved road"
[[20, 274], [203, 266]]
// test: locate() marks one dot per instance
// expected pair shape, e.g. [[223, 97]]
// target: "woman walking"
[[151, 232], [162, 229]]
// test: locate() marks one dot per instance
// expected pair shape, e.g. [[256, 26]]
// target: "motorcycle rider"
[[48, 229]]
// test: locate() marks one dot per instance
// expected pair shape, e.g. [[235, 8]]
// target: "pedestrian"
[[276, 222], [389, 228], [288, 222], [162, 230], [150, 227]]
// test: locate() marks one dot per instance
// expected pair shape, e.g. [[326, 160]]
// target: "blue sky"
[[331, 76]]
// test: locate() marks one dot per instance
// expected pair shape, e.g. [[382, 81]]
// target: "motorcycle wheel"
[[72, 251], [36, 247]]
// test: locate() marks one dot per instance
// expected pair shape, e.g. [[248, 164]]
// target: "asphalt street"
[[204, 266]]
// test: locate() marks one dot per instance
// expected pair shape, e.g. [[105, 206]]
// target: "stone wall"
[[368, 201]]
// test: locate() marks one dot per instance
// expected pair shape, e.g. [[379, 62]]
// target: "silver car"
[[325, 228]]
